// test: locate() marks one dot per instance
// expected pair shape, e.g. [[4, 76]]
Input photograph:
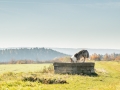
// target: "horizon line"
[[54, 47]]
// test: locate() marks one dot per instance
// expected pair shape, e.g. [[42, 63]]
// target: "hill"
[[72, 51], [37, 54]]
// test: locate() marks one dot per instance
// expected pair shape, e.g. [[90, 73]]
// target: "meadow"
[[13, 77]]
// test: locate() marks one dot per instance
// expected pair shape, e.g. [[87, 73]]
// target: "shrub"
[[49, 69], [44, 80]]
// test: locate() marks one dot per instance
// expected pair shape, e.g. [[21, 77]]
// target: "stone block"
[[74, 68]]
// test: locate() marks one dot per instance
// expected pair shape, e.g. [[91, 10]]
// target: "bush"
[[117, 58]]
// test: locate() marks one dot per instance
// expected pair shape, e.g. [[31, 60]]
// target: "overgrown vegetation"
[[62, 59], [42, 79], [108, 57], [49, 69]]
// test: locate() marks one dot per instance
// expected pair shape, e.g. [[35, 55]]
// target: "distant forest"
[[32, 54]]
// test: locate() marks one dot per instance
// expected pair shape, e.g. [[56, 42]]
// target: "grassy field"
[[22, 67], [11, 77]]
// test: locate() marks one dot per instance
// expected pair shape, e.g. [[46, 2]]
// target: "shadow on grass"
[[92, 74], [84, 74]]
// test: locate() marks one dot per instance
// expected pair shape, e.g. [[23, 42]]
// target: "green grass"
[[22, 67], [108, 78]]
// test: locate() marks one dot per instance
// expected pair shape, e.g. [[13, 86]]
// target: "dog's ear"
[[76, 55]]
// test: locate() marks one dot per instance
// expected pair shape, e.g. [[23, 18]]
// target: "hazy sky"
[[60, 23]]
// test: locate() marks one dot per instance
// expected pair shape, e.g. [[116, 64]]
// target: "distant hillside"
[[38, 54], [72, 51]]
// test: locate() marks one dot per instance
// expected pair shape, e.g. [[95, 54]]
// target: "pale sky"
[[60, 23]]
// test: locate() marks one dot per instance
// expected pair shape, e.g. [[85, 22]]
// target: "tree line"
[[106, 57]]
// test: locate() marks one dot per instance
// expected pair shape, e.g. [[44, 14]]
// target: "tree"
[[95, 57], [112, 56], [117, 58], [106, 57]]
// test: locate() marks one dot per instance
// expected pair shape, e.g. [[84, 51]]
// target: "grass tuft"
[[49, 69]]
